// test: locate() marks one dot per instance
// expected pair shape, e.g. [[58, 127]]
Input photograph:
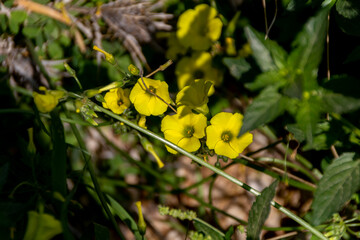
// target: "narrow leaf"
[[265, 108], [208, 230], [309, 45], [229, 233], [260, 211], [58, 157], [267, 53], [124, 216], [340, 180]]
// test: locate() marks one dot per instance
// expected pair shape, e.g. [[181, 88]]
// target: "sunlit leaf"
[[41, 226], [340, 180], [309, 45]]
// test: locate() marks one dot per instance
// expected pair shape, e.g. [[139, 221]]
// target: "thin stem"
[[214, 169], [265, 16], [93, 177], [154, 94], [273, 21]]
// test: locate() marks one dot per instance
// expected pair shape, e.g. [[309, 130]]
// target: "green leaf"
[[340, 180], [273, 78], [298, 133], [18, 16], [337, 103], [118, 210], [343, 84], [41, 226], [31, 31], [260, 211], [265, 108], [14, 26], [208, 230], [309, 45], [267, 53], [229, 233], [55, 50], [3, 22], [101, 232], [307, 116], [348, 16], [58, 157], [236, 66]]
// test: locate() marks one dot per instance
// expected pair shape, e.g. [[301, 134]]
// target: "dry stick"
[[273, 21], [332, 147], [154, 94], [290, 234], [265, 16]]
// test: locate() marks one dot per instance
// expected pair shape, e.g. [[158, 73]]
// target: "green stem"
[[214, 169], [93, 177], [289, 164]]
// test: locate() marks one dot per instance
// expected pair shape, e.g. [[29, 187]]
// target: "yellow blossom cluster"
[[197, 29]]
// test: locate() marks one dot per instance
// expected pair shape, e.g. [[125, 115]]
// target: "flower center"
[[152, 89], [198, 74], [120, 102], [226, 136], [189, 131]]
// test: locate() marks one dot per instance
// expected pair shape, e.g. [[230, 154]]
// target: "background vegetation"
[[76, 171]]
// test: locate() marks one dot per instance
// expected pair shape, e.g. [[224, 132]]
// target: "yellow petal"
[[189, 144], [213, 136], [141, 104], [199, 123], [234, 124], [221, 119], [239, 144], [223, 148], [169, 122]]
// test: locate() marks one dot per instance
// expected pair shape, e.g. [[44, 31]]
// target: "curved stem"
[[214, 169]]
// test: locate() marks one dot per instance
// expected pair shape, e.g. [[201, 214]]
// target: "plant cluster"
[[226, 84]]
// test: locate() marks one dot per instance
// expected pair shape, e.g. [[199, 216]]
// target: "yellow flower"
[[195, 96], [185, 131], [47, 102], [117, 100], [174, 47], [222, 135], [198, 66], [198, 28], [146, 103], [141, 221], [142, 121]]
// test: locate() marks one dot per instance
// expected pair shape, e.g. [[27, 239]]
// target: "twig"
[[273, 21], [290, 234], [154, 94]]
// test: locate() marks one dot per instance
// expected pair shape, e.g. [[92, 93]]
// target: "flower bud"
[[108, 57], [133, 69], [141, 222]]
